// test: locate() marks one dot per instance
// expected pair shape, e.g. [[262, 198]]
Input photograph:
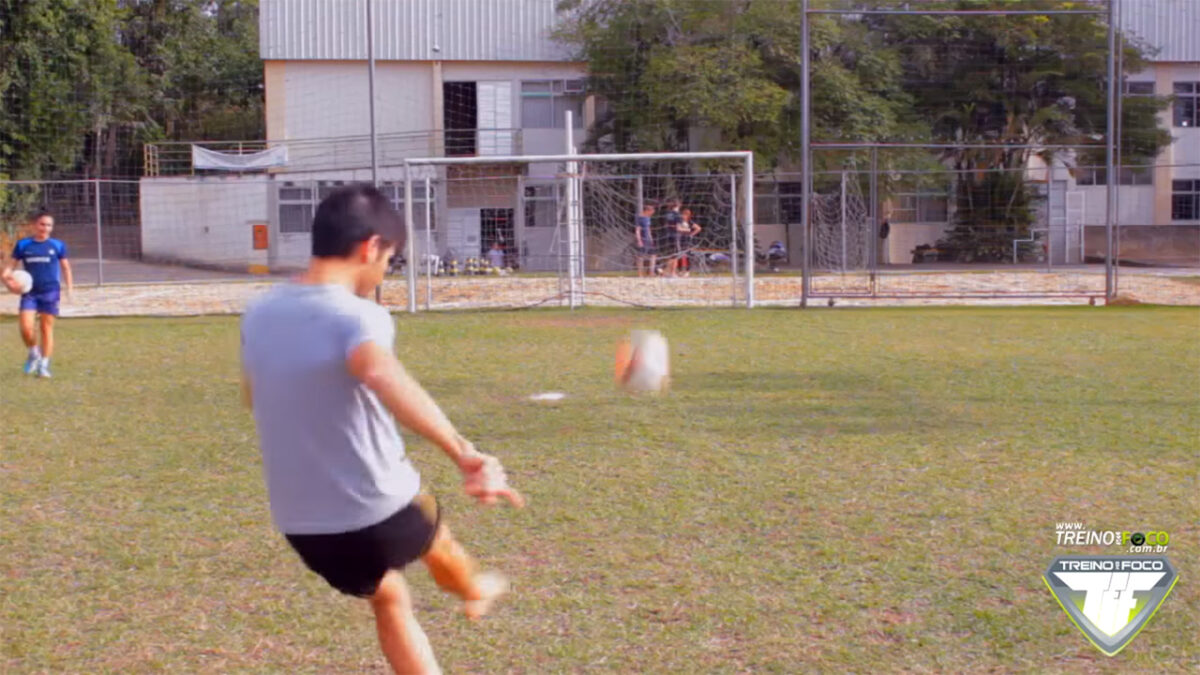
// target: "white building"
[[452, 77], [1159, 207]]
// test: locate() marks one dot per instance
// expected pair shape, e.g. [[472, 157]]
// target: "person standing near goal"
[[674, 221], [45, 258], [643, 237], [321, 378]]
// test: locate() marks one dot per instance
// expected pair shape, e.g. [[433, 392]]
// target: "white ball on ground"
[[24, 279]]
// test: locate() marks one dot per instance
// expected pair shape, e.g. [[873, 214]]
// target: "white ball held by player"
[[24, 280]]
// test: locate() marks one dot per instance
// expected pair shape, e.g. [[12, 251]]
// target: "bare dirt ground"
[[199, 297]]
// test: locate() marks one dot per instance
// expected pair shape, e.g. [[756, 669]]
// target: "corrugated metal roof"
[[410, 30], [1170, 26]]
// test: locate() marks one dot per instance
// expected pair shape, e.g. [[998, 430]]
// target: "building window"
[[1129, 175], [541, 205], [395, 194], [298, 203], [1139, 88], [1185, 200], [1136, 175], [544, 103], [1187, 104], [296, 207], [1089, 175], [921, 208]]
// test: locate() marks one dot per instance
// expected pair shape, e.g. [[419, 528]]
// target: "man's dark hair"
[[39, 214], [352, 215]]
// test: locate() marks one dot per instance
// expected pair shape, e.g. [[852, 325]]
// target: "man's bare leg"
[[454, 571], [403, 641]]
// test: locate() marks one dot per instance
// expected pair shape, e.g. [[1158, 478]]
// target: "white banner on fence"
[[203, 158]]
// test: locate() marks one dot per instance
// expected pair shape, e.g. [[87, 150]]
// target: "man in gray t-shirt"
[[327, 391]]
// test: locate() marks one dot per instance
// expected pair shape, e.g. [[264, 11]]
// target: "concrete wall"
[[904, 237], [1175, 245], [204, 221]]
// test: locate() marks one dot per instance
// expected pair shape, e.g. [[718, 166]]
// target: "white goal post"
[[741, 204]]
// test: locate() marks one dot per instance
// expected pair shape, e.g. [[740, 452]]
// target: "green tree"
[[62, 81], [730, 70], [83, 83], [1033, 81]]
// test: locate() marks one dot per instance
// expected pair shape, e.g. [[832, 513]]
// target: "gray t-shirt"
[[332, 457]]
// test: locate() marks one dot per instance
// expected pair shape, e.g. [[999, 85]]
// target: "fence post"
[[99, 238]]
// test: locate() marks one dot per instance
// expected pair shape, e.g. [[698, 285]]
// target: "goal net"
[[665, 229]]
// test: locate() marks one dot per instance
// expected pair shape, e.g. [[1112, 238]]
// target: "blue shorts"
[[42, 302]]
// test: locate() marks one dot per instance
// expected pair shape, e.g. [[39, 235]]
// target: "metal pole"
[[371, 93], [748, 207], [99, 240], [1117, 143], [806, 165], [410, 246], [1109, 152], [371, 108], [733, 246], [572, 229], [842, 212], [873, 230], [428, 244]]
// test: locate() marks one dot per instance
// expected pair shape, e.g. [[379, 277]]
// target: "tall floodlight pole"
[[371, 108], [806, 161], [371, 92], [1110, 150], [1120, 156]]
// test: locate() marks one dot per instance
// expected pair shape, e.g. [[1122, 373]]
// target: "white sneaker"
[[491, 585], [43, 368]]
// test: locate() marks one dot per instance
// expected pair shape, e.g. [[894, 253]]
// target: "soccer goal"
[[564, 230]]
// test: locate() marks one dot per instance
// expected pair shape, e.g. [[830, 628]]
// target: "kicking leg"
[[454, 571], [402, 639]]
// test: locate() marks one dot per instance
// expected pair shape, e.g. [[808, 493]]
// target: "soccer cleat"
[[43, 368], [490, 586], [31, 365]]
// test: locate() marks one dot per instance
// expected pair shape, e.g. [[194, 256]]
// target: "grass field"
[[822, 491]]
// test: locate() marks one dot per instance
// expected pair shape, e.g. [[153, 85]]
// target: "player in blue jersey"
[[46, 261]]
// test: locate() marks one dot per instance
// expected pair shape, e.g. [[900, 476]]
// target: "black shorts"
[[354, 562]]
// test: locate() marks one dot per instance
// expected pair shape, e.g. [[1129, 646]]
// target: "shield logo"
[[1110, 598]]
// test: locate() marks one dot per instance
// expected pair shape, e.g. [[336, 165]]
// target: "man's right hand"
[[484, 477]]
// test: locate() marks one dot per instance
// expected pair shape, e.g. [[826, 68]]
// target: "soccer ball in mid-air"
[[643, 362], [24, 280]]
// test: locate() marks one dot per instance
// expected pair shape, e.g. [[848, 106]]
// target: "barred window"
[[296, 207], [1185, 200], [1187, 104]]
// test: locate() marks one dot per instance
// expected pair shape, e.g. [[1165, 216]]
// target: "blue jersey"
[[643, 224], [41, 261]]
